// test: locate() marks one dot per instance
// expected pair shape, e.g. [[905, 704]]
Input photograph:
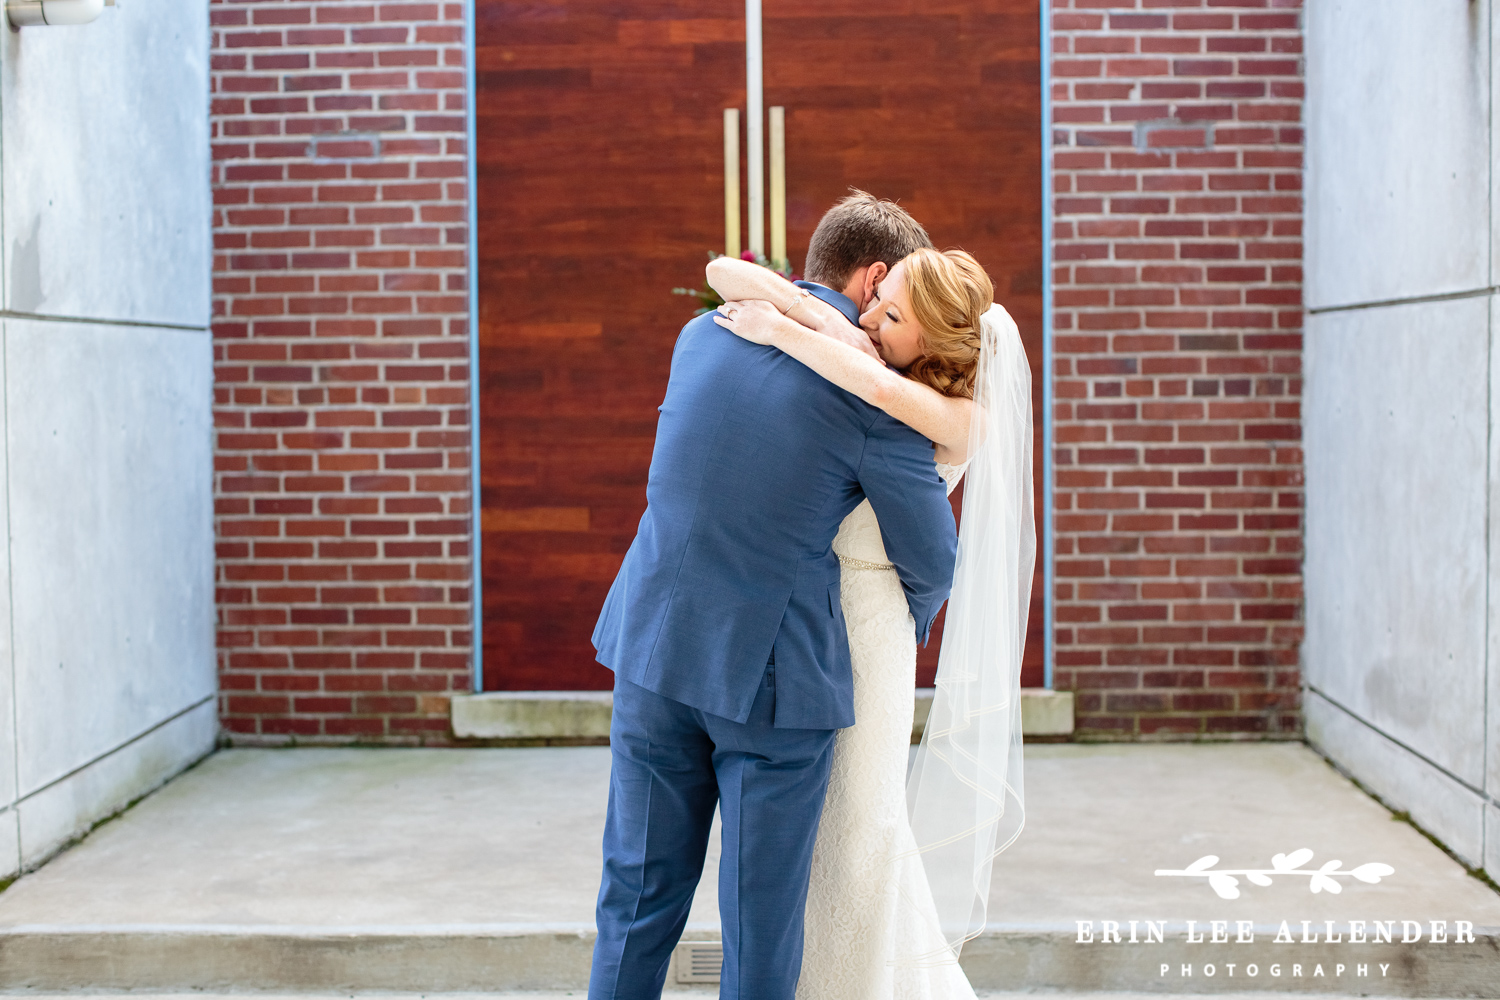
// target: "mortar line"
[[98, 321], [116, 749], [1472, 293], [1483, 795]]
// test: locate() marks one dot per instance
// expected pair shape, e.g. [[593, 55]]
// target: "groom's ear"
[[873, 277]]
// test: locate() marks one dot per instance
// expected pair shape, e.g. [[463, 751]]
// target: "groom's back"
[[756, 450], [757, 461]]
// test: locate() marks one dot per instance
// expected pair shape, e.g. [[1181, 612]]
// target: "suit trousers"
[[670, 764]]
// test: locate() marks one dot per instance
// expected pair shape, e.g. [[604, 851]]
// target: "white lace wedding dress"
[[868, 901]]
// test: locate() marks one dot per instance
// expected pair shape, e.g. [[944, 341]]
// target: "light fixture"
[[27, 13]]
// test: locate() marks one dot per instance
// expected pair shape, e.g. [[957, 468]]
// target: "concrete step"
[[571, 994], [583, 716], [473, 959], [475, 870]]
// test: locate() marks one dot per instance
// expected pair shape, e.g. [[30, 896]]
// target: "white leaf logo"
[[1288, 862], [1322, 879], [1224, 885], [1372, 872], [1322, 883]]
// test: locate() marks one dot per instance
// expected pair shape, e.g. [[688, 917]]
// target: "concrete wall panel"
[[1397, 131], [7, 649], [1403, 780], [10, 842], [106, 168], [10, 851], [1396, 428], [1492, 838], [68, 808], [111, 535], [1492, 671]]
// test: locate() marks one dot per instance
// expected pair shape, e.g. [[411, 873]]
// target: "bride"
[[901, 869]]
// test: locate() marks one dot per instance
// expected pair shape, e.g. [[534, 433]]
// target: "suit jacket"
[[757, 461]]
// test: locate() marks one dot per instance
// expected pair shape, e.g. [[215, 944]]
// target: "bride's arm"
[[944, 420], [739, 279]]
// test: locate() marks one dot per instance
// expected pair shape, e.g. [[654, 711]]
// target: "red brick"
[[1062, 68], [1209, 214], [1137, 67], [298, 206]]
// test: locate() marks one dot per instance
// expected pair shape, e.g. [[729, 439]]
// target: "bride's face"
[[890, 323]]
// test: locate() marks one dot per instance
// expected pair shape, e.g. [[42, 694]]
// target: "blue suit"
[[726, 635]]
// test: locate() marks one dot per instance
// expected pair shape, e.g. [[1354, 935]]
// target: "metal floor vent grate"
[[699, 961]]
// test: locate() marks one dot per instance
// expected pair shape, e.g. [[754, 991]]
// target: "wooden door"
[[600, 188]]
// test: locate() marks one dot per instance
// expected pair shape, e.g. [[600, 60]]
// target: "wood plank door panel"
[[600, 188]]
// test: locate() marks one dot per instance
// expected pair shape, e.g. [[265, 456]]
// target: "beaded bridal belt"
[[862, 564]]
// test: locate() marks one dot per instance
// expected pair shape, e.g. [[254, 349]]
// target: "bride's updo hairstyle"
[[949, 294]]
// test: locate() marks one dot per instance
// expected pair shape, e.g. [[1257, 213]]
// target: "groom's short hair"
[[857, 232]]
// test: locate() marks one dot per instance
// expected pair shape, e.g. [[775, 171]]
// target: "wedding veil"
[[964, 795]]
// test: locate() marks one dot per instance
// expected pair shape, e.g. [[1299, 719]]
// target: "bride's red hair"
[[949, 294]]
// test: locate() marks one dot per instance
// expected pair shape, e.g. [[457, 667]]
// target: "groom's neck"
[[861, 284], [852, 292]]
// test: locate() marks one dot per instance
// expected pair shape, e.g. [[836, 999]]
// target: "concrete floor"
[[349, 838], [439, 844]]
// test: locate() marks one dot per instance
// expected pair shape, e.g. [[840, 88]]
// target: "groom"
[[725, 631]]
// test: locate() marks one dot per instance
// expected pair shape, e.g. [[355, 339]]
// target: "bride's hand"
[[847, 333], [760, 322], [754, 320]]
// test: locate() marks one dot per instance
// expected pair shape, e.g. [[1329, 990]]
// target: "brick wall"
[[340, 338], [1177, 178], [340, 335]]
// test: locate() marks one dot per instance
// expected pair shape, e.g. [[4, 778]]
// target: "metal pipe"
[[755, 126], [36, 13], [471, 220], [1049, 470], [778, 186], [731, 182]]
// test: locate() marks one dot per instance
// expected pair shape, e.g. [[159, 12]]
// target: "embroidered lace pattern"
[[864, 897]]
